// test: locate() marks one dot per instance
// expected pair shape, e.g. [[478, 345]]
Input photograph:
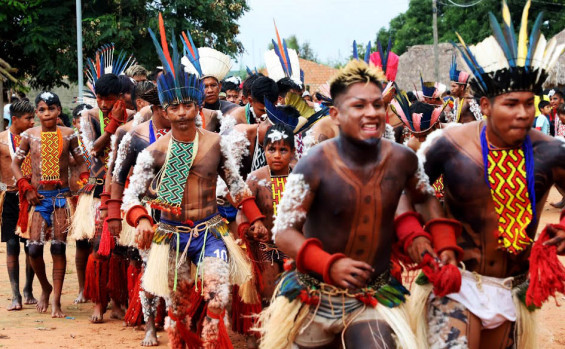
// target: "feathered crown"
[[282, 62], [105, 63], [298, 125], [418, 117], [367, 51], [175, 86], [432, 89], [204, 61], [386, 60], [503, 63], [457, 76]]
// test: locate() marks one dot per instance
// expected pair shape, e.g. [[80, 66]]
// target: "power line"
[[465, 5]]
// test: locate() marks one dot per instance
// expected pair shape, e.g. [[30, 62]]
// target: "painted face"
[[509, 117], [106, 103], [182, 116], [278, 155], [232, 96], [360, 112], [555, 101], [48, 115], [23, 122], [211, 90]]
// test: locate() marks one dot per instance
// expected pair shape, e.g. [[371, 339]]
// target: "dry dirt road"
[[28, 329]]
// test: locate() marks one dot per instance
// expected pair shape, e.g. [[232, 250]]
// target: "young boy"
[[541, 122], [266, 185], [47, 192], [21, 113]]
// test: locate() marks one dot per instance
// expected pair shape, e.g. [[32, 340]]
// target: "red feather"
[[188, 43], [164, 43]]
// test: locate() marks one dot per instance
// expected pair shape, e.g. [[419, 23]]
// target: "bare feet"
[[80, 298], [29, 298], [97, 314], [43, 302], [117, 312], [150, 339], [16, 304], [56, 311]]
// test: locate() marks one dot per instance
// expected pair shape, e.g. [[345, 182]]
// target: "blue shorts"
[[51, 199], [228, 212], [208, 243]]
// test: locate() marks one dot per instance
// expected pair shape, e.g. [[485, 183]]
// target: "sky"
[[330, 26]]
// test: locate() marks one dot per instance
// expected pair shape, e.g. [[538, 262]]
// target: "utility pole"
[[79, 48], [436, 53]]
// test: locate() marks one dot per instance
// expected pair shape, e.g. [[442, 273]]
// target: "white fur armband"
[[121, 154], [142, 175], [232, 153], [86, 134]]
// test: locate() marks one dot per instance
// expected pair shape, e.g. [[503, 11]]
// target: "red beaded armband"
[[312, 258], [114, 209], [250, 210], [444, 233], [136, 213], [408, 226]]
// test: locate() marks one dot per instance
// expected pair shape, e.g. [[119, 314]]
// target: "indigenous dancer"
[[343, 259], [181, 169], [47, 193], [266, 185], [97, 126], [22, 114], [139, 138], [459, 81], [489, 170]]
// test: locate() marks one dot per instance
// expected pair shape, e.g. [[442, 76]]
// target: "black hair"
[[49, 98], [411, 96], [108, 84], [140, 88], [246, 87], [79, 108], [285, 85], [66, 119], [127, 85], [264, 87], [559, 93], [151, 96], [154, 74], [280, 128], [228, 85], [421, 108], [542, 104], [20, 108]]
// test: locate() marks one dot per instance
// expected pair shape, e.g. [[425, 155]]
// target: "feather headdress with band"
[[204, 61], [105, 63], [298, 125], [282, 62], [419, 117], [432, 89], [457, 76], [504, 63], [175, 86]]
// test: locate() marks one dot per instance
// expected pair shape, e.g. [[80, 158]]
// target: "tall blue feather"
[[278, 52], [160, 53], [289, 66], [502, 40], [471, 63], [355, 54], [368, 52], [277, 116], [314, 118]]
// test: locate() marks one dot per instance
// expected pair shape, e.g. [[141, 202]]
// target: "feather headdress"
[[504, 63], [105, 63], [432, 89], [282, 62], [298, 125], [419, 117], [175, 86], [367, 52], [386, 60], [204, 61], [457, 76]]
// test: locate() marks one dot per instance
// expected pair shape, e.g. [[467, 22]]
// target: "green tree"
[[414, 27], [39, 36]]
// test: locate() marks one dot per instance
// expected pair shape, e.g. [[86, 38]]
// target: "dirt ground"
[[29, 329]]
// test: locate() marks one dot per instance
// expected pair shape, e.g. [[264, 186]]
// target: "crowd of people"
[[199, 201]]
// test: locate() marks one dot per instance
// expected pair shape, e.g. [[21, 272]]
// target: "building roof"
[[316, 74]]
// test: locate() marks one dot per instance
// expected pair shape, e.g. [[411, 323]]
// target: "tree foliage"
[[39, 36], [414, 27]]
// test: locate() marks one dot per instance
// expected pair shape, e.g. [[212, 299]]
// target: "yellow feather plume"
[[523, 38], [506, 14]]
